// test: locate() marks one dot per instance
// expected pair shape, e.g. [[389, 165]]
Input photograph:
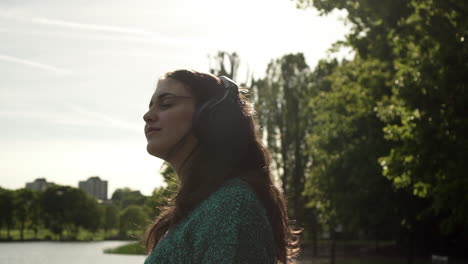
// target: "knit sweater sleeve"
[[235, 230]]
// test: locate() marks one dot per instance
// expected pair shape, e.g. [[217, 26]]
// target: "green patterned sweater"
[[230, 226]]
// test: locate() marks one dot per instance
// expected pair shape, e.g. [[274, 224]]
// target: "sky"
[[76, 76]]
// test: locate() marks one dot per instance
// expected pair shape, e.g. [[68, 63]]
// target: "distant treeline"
[[68, 210]]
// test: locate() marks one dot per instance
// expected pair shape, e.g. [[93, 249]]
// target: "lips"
[[152, 130]]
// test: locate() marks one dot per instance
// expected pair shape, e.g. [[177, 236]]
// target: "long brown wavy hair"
[[229, 145]]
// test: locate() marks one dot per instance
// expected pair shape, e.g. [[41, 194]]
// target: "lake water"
[[64, 253]]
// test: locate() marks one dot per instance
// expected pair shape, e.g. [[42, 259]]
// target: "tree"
[[161, 197], [111, 217], [54, 209], [131, 218], [23, 203], [226, 64], [36, 213], [346, 184], [6, 210], [67, 208], [89, 215], [421, 45], [281, 105], [425, 115], [124, 197]]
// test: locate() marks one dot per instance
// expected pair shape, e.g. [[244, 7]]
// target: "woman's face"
[[169, 119]]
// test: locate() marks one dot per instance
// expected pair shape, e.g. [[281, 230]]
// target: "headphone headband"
[[231, 93], [229, 84]]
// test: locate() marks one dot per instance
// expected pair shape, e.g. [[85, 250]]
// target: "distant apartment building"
[[95, 187], [39, 184]]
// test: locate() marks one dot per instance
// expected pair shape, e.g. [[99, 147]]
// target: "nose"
[[149, 116]]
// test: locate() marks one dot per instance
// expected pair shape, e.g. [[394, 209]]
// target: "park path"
[[306, 257], [312, 261]]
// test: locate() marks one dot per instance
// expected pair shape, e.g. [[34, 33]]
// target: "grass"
[[376, 260], [45, 234], [134, 248], [366, 243]]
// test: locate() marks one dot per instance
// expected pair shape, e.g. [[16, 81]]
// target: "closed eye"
[[167, 101], [164, 106]]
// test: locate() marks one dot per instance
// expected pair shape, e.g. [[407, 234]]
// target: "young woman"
[[226, 209]]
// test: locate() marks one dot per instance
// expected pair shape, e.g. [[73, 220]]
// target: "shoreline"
[[69, 240]]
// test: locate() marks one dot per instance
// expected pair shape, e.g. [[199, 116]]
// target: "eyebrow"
[[161, 96]]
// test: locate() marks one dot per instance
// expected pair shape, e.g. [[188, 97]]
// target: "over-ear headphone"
[[231, 93], [212, 122]]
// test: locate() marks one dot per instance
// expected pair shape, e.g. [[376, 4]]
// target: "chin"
[[155, 151]]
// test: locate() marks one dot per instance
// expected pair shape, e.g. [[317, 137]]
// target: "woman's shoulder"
[[233, 208], [234, 198], [234, 192], [233, 227]]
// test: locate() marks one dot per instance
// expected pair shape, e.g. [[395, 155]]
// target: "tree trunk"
[[376, 241], [332, 247], [314, 239], [410, 259], [22, 231]]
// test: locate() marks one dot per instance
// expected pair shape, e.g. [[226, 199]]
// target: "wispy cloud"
[[123, 33], [94, 27], [34, 64], [105, 119], [118, 33], [76, 116]]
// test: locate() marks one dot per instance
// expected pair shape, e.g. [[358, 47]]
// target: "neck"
[[181, 159]]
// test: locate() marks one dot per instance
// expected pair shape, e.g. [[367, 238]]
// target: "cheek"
[[176, 124], [179, 119]]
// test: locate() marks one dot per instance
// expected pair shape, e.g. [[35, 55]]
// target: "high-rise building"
[[39, 184], [95, 187]]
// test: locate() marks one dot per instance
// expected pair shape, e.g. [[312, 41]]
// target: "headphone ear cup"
[[218, 127]]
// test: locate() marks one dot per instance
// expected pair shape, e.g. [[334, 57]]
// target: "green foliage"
[[45, 234], [133, 217], [6, 209], [125, 197], [161, 196], [35, 213], [111, 217], [91, 216], [65, 213], [23, 202], [170, 178], [400, 103], [425, 113], [225, 63], [345, 184], [69, 208], [281, 100]]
